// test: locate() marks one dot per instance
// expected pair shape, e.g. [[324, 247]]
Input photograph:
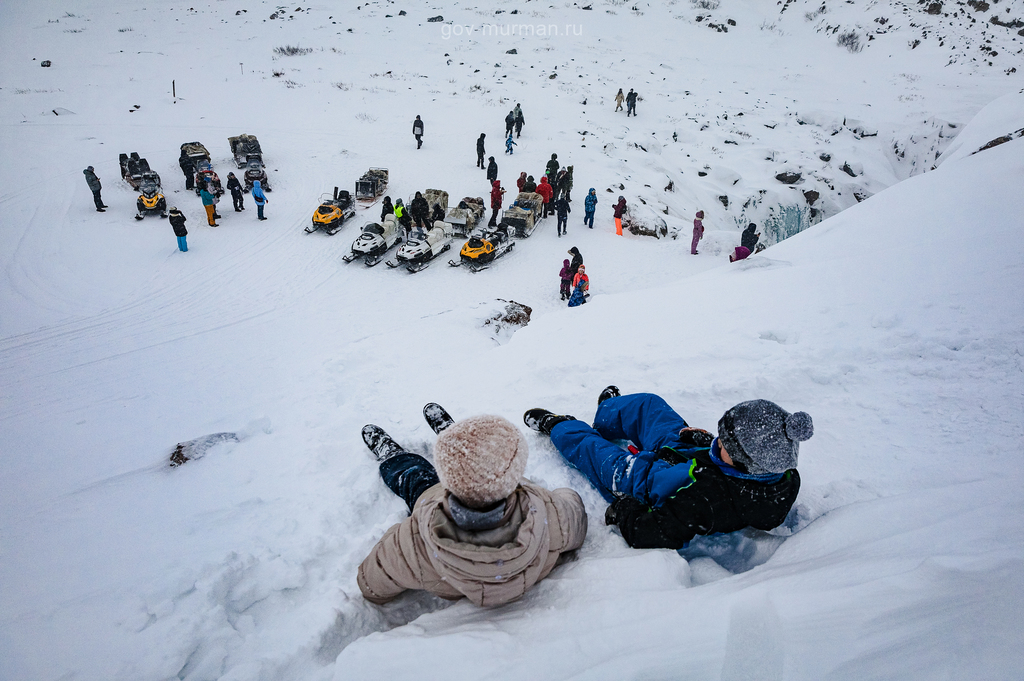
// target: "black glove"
[[610, 516], [696, 437]]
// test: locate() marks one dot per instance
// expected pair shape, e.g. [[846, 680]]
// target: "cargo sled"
[[372, 185], [522, 217], [464, 217]]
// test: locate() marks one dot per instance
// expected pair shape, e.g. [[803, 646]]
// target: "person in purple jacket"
[[566, 276], [698, 231]]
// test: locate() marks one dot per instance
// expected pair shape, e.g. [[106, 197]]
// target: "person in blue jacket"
[[260, 198], [589, 207], [674, 481]]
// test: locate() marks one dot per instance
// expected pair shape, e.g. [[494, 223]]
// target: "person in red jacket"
[[546, 192], [521, 181], [496, 193], [618, 210]]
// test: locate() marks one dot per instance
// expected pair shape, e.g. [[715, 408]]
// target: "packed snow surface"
[[894, 317]]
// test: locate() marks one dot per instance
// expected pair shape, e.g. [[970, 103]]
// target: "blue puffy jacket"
[[590, 203]]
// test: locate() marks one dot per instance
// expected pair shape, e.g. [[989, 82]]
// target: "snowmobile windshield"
[[373, 228], [149, 188]]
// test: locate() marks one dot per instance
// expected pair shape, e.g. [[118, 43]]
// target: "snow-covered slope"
[[897, 324]]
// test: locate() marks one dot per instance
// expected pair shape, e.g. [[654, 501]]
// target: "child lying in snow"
[[682, 481], [476, 528]]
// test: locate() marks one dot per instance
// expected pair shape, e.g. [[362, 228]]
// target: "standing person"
[[260, 198], [403, 217], [480, 151], [520, 121], [749, 238], [492, 169], [437, 215], [545, 191], [589, 208], [177, 221], [618, 210], [509, 143], [521, 182], [551, 169], [565, 277], [386, 208], [417, 131], [562, 211], [496, 196], [235, 187], [94, 187], [207, 196], [529, 185], [619, 97], [698, 231], [577, 261], [419, 210], [510, 123], [580, 288], [558, 184], [189, 169], [476, 528], [567, 183], [684, 481], [631, 103]]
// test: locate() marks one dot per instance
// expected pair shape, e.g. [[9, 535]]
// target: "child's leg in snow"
[[643, 418], [608, 466], [408, 475]]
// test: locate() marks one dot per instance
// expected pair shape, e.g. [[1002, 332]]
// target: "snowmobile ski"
[[437, 418]]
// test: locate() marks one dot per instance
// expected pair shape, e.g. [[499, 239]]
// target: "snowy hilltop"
[[185, 491]]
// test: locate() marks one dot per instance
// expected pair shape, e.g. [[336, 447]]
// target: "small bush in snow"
[[291, 51], [850, 40], [344, 87]]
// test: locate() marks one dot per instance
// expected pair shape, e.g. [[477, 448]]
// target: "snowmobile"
[[150, 200], [417, 252], [372, 185], [248, 154], [204, 175], [465, 217], [333, 211], [484, 247], [522, 217], [132, 168], [377, 238]]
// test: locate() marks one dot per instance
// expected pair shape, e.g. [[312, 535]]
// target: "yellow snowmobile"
[[484, 248], [334, 209], [150, 200]]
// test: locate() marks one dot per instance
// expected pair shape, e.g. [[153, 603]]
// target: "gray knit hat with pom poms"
[[763, 438]]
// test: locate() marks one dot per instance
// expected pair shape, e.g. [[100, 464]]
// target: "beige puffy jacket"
[[489, 567]]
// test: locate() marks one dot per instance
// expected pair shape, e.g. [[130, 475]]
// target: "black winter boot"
[[543, 420], [610, 391], [437, 417], [380, 443]]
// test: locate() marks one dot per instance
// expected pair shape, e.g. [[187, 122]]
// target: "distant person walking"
[[480, 151], [94, 187], [189, 169], [698, 231], [492, 169], [509, 143], [417, 131], [260, 198], [177, 221], [510, 123], [631, 103], [235, 187], [520, 121], [562, 211], [589, 208], [619, 98], [207, 196], [618, 211]]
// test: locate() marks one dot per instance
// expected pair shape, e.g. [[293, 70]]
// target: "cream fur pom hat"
[[481, 459]]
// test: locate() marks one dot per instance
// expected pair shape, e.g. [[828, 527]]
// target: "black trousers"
[[408, 475]]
